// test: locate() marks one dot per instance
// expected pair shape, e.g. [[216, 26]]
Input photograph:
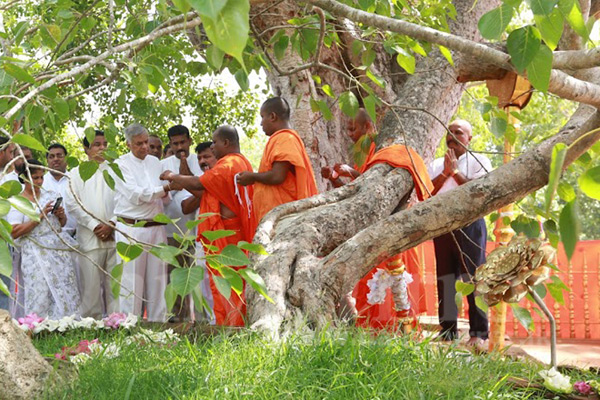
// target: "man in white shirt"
[[180, 142], [96, 238], [6, 156], [57, 181], [139, 198], [456, 168]]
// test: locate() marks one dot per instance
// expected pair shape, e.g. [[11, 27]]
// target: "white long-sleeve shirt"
[[173, 209], [141, 194], [61, 186], [472, 166], [99, 199]]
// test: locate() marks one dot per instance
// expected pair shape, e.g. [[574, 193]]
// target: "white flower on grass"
[[98, 324], [80, 358], [146, 336], [557, 382], [130, 321], [111, 351], [66, 323], [86, 323]]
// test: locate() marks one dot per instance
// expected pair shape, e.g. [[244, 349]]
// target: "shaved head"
[[360, 125], [279, 106], [228, 132], [464, 125]]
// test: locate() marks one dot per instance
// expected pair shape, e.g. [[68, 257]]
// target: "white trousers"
[[146, 276], [97, 299]]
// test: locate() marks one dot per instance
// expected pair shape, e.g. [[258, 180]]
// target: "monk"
[[384, 315], [232, 210], [285, 173]]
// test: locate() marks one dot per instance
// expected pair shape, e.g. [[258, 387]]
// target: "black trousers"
[[454, 262]]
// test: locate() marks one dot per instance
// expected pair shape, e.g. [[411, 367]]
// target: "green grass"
[[333, 365]]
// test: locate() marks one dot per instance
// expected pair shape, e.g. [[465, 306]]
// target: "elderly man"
[[57, 181], [140, 197], [459, 252], [96, 238], [179, 142]]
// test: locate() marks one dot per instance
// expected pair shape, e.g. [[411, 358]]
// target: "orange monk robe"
[[220, 187], [284, 145], [384, 315]]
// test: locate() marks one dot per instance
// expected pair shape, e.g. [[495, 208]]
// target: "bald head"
[[275, 115], [225, 141], [460, 137], [360, 125]]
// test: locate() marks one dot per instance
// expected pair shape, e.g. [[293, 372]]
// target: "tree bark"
[[298, 235]]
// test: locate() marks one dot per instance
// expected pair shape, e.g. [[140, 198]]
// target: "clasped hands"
[[450, 164]]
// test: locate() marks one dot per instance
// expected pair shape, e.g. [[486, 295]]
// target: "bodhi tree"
[[405, 62]]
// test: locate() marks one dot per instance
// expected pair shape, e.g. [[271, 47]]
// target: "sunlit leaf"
[[185, 280], [493, 23], [223, 286], [569, 227], [589, 182], [523, 315], [87, 169], [128, 251], [522, 45], [256, 281], [28, 141], [556, 166], [538, 71], [232, 256], [348, 104]]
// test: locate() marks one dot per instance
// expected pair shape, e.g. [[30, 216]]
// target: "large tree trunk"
[[300, 234]]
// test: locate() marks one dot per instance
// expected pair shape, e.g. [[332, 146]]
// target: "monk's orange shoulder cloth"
[[284, 145], [220, 187], [400, 156]]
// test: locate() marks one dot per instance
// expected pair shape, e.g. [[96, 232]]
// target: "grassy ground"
[[341, 365]]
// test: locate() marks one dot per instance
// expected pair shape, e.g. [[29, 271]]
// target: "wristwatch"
[[456, 171]]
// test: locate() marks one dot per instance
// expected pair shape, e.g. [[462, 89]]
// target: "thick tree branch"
[[584, 92]]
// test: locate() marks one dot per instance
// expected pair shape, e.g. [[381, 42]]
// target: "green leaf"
[[182, 5], [498, 126], [349, 104], [256, 281], [228, 29], [10, 188], [218, 234], [210, 8], [115, 283], [163, 219], [523, 315], [376, 79], [447, 54], [87, 169], [6, 266], [406, 61], [4, 207], [28, 141], [589, 182], [232, 256], [551, 231], [566, 191], [253, 247], [367, 57], [25, 206], [464, 288], [556, 166], [281, 46], [550, 27], [61, 108], [116, 170], [571, 12], [481, 304], [241, 78], [4, 288], [542, 7], [569, 228], [18, 73], [214, 56], [90, 134], [556, 288], [327, 90], [168, 254], [170, 296], [108, 179], [324, 108], [185, 280], [370, 103], [129, 252], [223, 286], [234, 279], [493, 23], [5, 230], [523, 44], [458, 299], [538, 71], [529, 226]]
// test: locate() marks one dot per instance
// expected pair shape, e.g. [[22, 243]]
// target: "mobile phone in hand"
[[56, 205]]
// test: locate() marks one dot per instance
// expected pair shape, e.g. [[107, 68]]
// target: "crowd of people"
[[63, 262]]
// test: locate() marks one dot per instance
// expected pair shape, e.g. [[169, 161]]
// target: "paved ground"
[[574, 352]]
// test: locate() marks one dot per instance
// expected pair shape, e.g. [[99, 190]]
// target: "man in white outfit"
[[180, 142], [139, 198], [96, 239], [57, 181]]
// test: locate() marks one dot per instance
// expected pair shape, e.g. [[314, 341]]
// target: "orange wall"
[[578, 318]]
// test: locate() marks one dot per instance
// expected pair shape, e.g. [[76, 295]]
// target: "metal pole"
[[550, 317]]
